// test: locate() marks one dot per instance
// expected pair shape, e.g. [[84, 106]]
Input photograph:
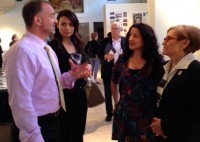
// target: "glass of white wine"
[[76, 57]]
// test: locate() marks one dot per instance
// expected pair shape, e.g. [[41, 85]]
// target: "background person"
[[13, 39], [110, 49], [1, 51], [65, 43], [137, 73], [92, 50], [178, 107], [33, 92]]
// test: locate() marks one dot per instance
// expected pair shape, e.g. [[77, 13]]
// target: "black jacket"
[[107, 67], [179, 107]]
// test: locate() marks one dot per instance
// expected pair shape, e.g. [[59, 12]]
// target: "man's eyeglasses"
[[167, 38], [114, 29]]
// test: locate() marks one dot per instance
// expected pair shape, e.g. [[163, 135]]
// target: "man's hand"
[[80, 71], [109, 57]]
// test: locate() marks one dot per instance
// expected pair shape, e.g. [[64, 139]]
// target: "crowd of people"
[[155, 100]]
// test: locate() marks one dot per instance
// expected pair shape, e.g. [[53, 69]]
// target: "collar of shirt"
[[115, 41], [38, 40], [182, 64]]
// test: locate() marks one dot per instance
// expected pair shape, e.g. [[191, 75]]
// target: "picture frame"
[[84, 32], [76, 6]]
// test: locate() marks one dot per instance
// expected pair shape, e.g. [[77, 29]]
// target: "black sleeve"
[[86, 49]]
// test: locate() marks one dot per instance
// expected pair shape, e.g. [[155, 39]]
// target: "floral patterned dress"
[[133, 113]]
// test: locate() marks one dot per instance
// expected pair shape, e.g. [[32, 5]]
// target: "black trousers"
[[72, 122], [14, 133], [49, 128], [108, 96]]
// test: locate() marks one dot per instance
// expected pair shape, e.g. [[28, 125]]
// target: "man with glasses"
[[110, 49]]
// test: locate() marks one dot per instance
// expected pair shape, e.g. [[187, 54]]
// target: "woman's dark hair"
[[75, 38], [150, 44]]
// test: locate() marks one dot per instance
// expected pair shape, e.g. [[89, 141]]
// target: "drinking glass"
[[76, 57]]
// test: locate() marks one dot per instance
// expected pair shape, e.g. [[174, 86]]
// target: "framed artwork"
[[84, 32], [137, 18], [140, 17], [74, 5]]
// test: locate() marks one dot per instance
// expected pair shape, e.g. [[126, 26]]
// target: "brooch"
[[180, 72]]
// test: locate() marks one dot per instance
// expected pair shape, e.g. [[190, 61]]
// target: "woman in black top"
[[67, 42], [178, 93]]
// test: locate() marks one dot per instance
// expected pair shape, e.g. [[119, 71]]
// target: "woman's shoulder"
[[194, 65], [53, 43]]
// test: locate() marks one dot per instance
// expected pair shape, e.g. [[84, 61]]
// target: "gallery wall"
[[12, 22], [173, 12], [126, 14]]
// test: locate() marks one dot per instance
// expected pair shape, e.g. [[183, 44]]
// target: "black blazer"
[[107, 67], [179, 108]]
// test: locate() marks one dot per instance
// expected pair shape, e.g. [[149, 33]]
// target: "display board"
[[126, 14]]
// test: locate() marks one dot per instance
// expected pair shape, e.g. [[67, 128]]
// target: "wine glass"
[[76, 57]]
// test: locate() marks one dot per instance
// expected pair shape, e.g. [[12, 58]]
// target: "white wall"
[[129, 8], [12, 22], [173, 12], [162, 14]]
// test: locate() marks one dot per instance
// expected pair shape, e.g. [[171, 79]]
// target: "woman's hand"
[[156, 127], [80, 71]]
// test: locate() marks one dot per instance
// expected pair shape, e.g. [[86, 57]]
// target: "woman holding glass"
[[67, 44]]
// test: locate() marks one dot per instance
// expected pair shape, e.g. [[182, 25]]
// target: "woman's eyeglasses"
[[167, 38]]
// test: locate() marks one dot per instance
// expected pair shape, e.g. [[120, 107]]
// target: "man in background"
[[14, 38], [110, 49], [92, 50], [1, 51]]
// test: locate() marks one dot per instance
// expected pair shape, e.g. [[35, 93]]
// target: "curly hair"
[[150, 44]]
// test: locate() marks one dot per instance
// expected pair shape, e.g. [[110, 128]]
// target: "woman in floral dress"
[[137, 72]]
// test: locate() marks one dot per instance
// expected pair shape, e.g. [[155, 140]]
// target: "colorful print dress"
[[133, 113]]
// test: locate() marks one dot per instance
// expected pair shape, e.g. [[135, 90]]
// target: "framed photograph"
[[74, 5], [137, 18]]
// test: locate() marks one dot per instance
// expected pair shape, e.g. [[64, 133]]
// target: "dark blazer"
[[179, 108], [107, 67]]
